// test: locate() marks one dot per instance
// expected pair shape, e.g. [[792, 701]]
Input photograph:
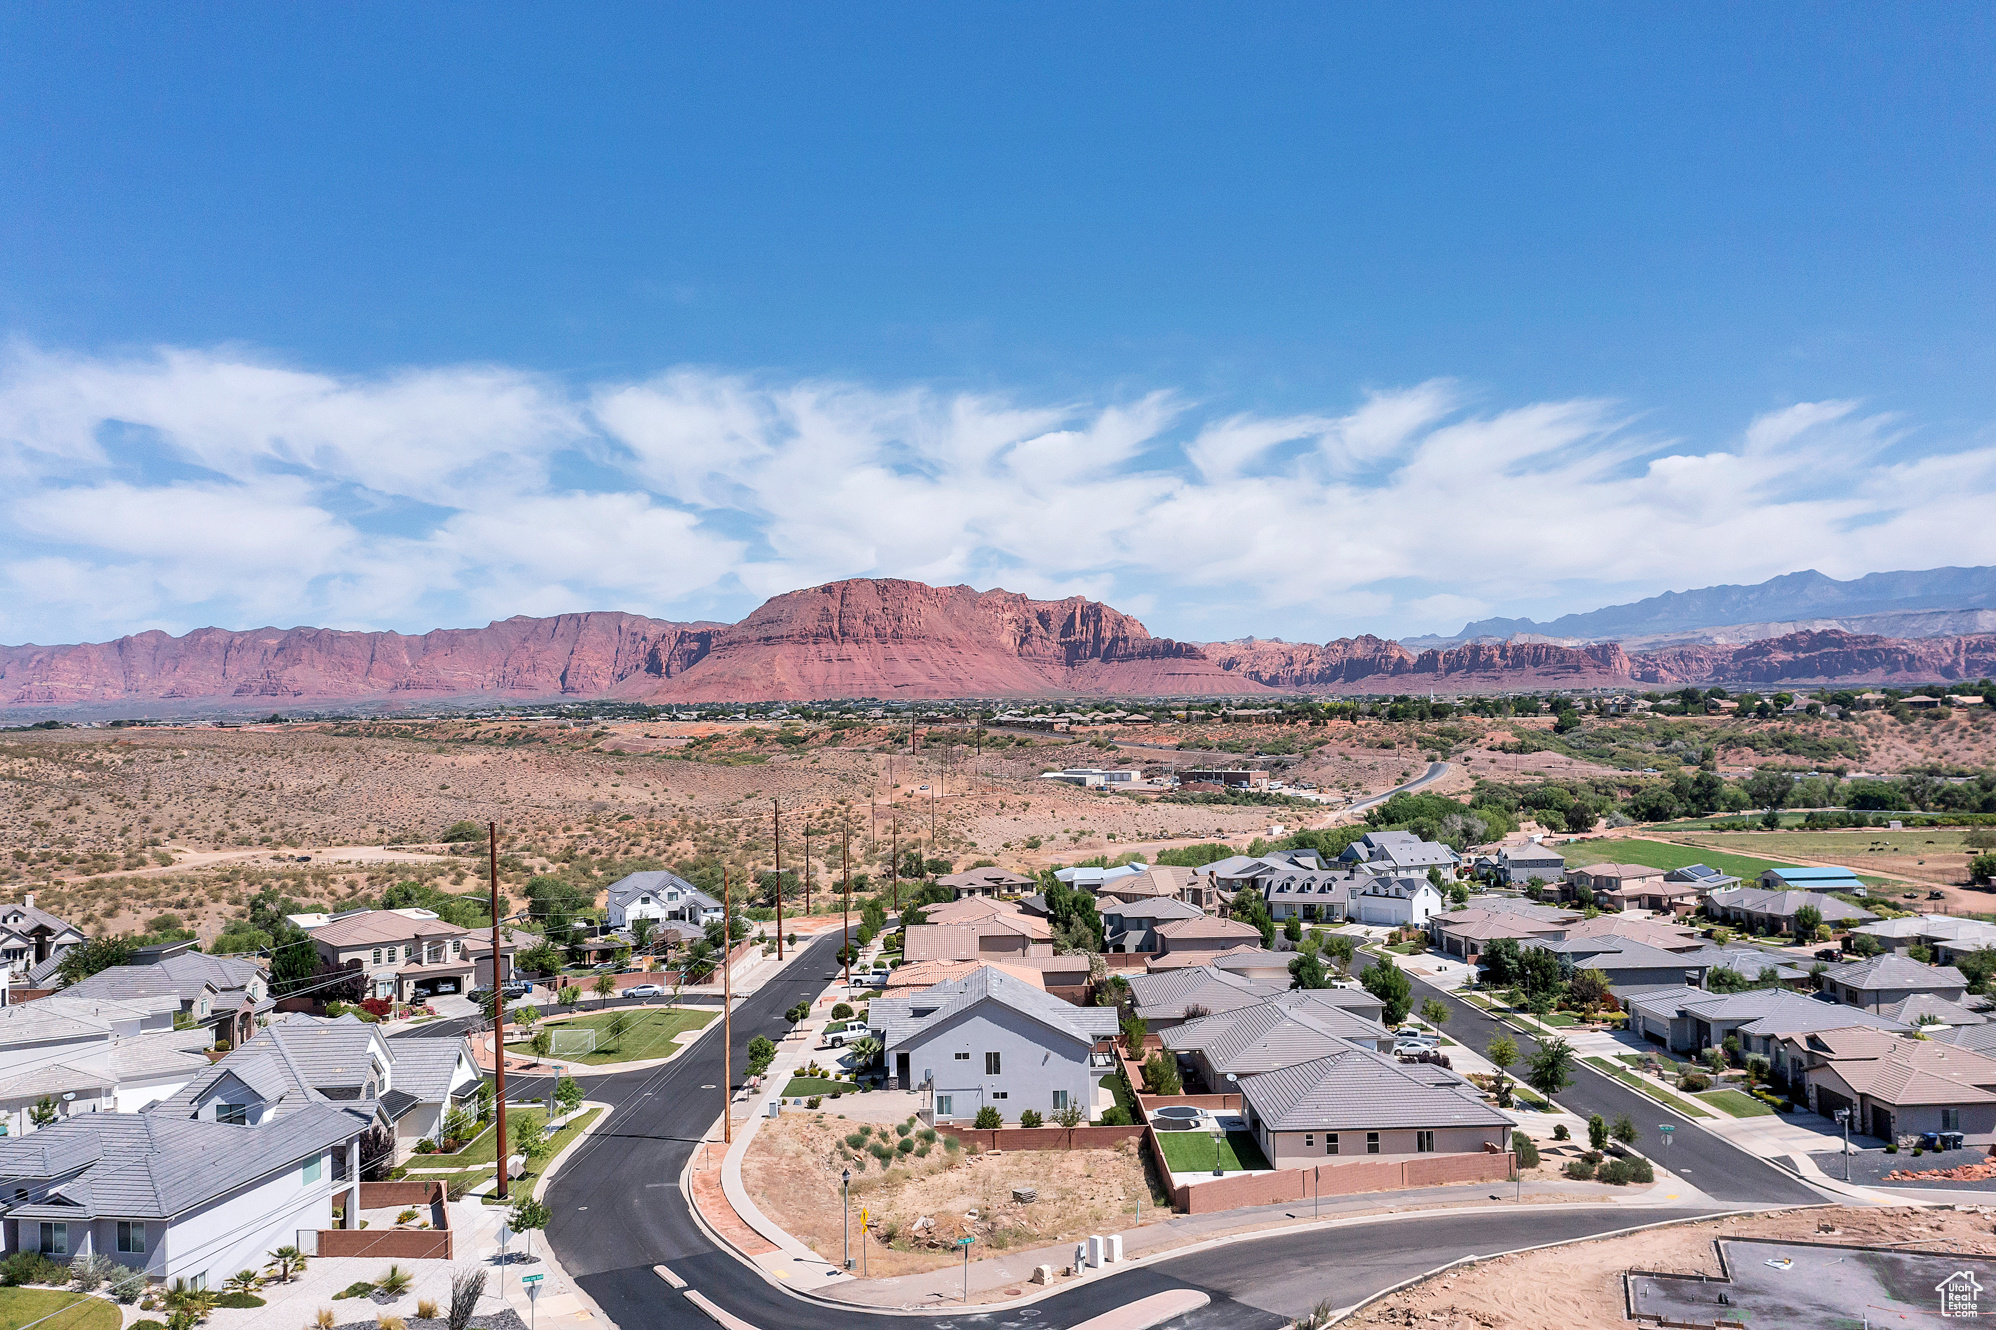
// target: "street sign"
[[531, 1280], [965, 1242], [863, 1214], [505, 1234]]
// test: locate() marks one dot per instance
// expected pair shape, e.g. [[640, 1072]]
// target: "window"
[[234, 1115], [1309, 1140], [456, 947], [377, 956], [644, 900], [1424, 1142], [1060, 1101], [1330, 1142], [131, 1236], [1372, 1142], [1001, 1094], [1950, 1119], [55, 1239], [991, 1064], [944, 1107], [311, 1170], [963, 1057]]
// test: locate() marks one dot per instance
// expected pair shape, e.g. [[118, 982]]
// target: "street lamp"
[[1843, 1120], [845, 1193]]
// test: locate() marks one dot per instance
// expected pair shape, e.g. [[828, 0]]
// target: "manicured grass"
[[649, 1035], [1120, 1088], [1193, 1151], [18, 1306], [1738, 1104], [1648, 1087], [1845, 847], [810, 1085], [480, 1152]]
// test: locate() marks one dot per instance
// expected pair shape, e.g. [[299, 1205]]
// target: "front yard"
[[52, 1307], [1648, 1087], [478, 1160]]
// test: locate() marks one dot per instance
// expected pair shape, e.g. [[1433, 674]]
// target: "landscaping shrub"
[[856, 1139], [1694, 1081], [1616, 1173], [880, 1151], [1029, 1118], [906, 1146], [813, 1101], [842, 1011], [1116, 1117], [928, 1134], [989, 1118], [1579, 1170], [148, 1325], [1527, 1149], [1640, 1171], [31, 1267], [902, 1129], [239, 1300], [1891, 1148], [952, 1144], [866, 1129], [360, 1288], [1560, 1133]]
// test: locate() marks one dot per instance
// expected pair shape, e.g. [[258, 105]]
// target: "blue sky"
[[1298, 321]]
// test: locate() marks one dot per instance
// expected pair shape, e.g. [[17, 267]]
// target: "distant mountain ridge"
[[1807, 595], [886, 638]]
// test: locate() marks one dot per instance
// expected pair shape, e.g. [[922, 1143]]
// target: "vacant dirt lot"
[[1579, 1286], [792, 1171]]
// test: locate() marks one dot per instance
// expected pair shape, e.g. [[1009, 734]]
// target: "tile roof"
[[1911, 1009], [1784, 904], [183, 977], [1761, 1011], [901, 1019], [1905, 1072], [1620, 872], [1205, 926], [372, 926], [1356, 1090], [1165, 994], [913, 975], [1891, 970], [1291, 1028], [157, 1166]]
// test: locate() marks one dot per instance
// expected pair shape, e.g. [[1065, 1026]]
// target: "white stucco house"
[[1396, 901], [663, 896]]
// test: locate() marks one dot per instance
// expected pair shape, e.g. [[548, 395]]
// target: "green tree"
[[285, 1264], [1588, 989], [460, 832], [642, 929], [1292, 929], [1435, 1012], [100, 953], [1551, 1067], [1387, 982], [568, 1094], [568, 996], [1135, 1028], [1539, 972], [1770, 788], [1341, 948], [1307, 970], [1503, 1052], [989, 1119], [542, 1043], [1161, 1074], [43, 1114], [1982, 868], [1807, 920], [1624, 1130], [543, 959], [528, 1216], [616, 1028], [1597, 1132], [530, 1137], [604, 987], [1497, 966], [1458, 894]]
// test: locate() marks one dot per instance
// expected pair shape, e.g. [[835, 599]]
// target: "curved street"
[[618, 1211]]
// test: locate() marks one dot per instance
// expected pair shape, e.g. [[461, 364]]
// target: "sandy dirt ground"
[[1578, 1286], [792, 1172]]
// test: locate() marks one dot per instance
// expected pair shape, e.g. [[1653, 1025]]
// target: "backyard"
[[1198, 1152]]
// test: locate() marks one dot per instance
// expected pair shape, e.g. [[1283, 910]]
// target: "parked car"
[[513, 993], [1418, 1044], [645, 991], [840, 1038]]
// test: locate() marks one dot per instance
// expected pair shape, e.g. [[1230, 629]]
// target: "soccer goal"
[[571, 1042]]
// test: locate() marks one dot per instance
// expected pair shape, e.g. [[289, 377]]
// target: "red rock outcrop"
[[885, 639]]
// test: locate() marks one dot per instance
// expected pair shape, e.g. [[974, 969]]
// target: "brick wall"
[[1044, 1138], [391, 1244], [408, 1191], [1300, 1184]]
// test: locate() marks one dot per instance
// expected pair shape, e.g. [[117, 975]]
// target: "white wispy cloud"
[[191, 486]]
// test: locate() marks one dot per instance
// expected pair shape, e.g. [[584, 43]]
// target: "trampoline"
[[1177, 1117]]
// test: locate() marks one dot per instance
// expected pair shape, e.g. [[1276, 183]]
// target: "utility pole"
[[498, 1008], [894, 846], [807, 865], [727, 1011], [776, 815], [845, 952]]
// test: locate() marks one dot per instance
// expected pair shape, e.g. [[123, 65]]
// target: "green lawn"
[[650, 1034], [19, 1306], [1661, 854], [1738, 1104], [1648, 1087], [1120, 1088], [1193, 1151], [809, 1085]]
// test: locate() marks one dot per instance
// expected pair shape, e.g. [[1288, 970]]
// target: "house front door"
[[901, 1070]]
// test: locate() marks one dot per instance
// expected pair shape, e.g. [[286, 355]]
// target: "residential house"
[[1175, 883], [1948, 936], [1703, 876], [665, 897], [1094, 879], [1626, 963], [1166, 998], [1763, 911], [1659, 895], [1396, 901], [913, 976], [1686, 1021], [1466, 932], [1606, 877], [1298, 1026], [1881, 982], [115, 1074], [225, 994], [195, 1196], [990, 1040], [1400, 852], [1202, 937], [1896, 1088], [1518, 865], [994, 937], [1312, 896], [411, 954], [1131, 926], [1364, 1106], [1240, 872], [298, 1060], [32, 940], [986, 882]]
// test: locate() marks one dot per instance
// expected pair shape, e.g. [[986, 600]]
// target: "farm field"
[[1666, 855]]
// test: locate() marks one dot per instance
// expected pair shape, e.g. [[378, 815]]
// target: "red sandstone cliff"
[[886, 638]]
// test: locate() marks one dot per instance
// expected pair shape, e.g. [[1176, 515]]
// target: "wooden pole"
[[894, 847], [776, 815], [727, 1011], [846, 869], [498, 1009]]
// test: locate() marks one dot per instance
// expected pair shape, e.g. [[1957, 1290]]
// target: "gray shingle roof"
[[1762, 1011], [1783, 904], [1359, 1090], [155, 1166], [1295, 1027], [1891, 970], [183, 976], [904, 1018], [1165, 994]]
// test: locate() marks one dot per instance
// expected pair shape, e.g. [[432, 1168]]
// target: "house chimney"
[[31, 900]]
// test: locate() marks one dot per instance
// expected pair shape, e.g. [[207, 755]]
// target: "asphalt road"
[[618, 1212], [1714, 1165], [1435, 771]]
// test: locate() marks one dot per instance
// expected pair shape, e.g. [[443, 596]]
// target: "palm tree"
[[864, 1051], [243, 1281], [286, 1263]]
